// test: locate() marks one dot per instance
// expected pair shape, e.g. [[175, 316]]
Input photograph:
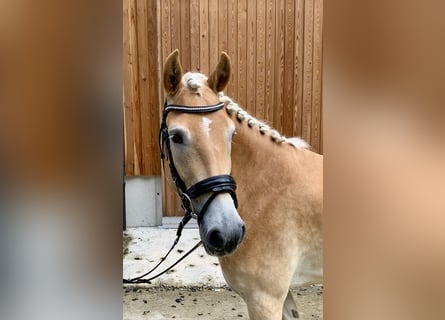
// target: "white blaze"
[[206, 125]]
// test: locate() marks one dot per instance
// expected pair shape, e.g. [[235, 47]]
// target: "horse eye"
[[177, 138]]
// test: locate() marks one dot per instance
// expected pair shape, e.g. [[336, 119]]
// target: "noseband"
[[213, 185]]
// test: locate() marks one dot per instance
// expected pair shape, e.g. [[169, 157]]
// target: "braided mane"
[[234, 109]]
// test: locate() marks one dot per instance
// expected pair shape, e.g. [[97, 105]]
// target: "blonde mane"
[[234, 109]]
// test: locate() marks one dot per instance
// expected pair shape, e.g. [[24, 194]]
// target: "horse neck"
[[252, 152]]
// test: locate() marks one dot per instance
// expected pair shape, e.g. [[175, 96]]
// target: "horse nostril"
[[216, 240], [243, 233]]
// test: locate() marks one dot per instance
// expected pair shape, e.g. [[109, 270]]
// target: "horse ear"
[[220, 77], [172, 73]]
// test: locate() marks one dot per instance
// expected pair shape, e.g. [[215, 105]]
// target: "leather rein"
[[214, 185]]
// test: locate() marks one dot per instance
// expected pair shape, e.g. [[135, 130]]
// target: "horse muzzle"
[[220, 241]]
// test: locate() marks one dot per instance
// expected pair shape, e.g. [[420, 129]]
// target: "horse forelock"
[[234, 109], [193, 81], [194, 91]]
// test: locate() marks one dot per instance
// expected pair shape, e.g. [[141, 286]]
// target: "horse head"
[[198, 134]]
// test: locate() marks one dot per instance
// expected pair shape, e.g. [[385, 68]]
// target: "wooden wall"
[[141, 87], [275, 48]]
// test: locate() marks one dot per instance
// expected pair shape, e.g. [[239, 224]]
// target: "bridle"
[[214, 185]]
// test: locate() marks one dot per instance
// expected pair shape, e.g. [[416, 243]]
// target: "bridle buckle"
[[187, 205]]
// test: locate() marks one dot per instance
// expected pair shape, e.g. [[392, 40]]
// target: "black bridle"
[[214, 185]]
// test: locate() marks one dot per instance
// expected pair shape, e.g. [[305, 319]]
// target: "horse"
[[256, 194]]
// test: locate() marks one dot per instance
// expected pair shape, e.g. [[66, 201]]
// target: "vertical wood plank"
[[170, 200], [259, 65], [317, 76], [164, 31], [251, 86], [298, 72], [289, 67], [136, 112], [242, 53], [307, 75], [279, 66], [269, 92], [213, 35], [159, 51], [145, 121], [222, 27], [165, 42], [204, 36], [175, 25], [232, 9], [194, 35], [153, 78], [127, 57], [185, 34]]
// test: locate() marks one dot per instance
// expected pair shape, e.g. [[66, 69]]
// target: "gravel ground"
[[205, 303]]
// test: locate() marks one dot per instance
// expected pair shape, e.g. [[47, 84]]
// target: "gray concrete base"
[[143, 201]]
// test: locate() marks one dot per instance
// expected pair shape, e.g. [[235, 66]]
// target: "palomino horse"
[[273, 239]]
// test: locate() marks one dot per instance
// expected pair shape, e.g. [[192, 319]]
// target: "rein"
[[214, 185]]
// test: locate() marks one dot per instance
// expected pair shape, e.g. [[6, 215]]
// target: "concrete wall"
[[143, 201]]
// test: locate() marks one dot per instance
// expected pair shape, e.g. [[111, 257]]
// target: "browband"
[[196, 109]]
